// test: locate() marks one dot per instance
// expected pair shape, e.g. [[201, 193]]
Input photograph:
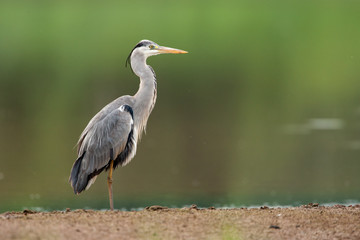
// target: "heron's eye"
[[151, 46]]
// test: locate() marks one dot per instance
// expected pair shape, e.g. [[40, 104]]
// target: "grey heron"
[[111, 137]]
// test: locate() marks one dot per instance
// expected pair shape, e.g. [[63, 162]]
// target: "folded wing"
[[108, 138]]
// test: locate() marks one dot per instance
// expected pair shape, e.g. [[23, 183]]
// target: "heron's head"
[[147, 48]]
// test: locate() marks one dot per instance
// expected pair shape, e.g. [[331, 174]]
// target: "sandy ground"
[[306, 222]]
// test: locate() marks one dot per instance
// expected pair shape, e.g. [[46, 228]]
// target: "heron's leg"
[[110, 185]]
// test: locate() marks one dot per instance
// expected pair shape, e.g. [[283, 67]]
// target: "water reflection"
[[315, 124]]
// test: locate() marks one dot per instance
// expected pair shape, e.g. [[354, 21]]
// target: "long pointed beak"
[[162, 49]]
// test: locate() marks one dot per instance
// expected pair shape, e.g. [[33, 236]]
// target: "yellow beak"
[[162, 49]]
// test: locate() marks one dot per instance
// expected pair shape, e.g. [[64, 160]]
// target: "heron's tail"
[[78, 182]]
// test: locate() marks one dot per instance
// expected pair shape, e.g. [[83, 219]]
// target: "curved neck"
[[145, 97], [147, 87], [139, 66]]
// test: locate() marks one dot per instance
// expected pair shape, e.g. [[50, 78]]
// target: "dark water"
[[265, 108]]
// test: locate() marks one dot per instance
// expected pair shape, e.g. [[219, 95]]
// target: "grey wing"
[[128, 100], [102, 114], [103, 141]]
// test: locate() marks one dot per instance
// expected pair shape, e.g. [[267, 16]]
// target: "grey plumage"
[[111, 136], [103, 140]]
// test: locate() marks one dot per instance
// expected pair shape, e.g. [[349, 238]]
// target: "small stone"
[[27, 211], [274, 227], [156, 208], [194, 207], [310, 205]]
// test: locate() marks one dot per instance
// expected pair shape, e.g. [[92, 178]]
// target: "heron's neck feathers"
[[145, 97]]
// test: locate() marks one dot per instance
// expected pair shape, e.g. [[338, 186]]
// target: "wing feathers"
[[74, 172], [105, 139]]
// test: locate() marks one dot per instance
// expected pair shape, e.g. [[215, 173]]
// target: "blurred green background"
[[265, 108]]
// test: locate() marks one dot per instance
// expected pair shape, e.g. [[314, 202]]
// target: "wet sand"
[[305, 222]]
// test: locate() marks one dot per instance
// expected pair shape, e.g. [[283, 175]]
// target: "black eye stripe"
[[143, 43]]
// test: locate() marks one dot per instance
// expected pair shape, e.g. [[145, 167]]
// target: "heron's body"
[[110, 138]]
